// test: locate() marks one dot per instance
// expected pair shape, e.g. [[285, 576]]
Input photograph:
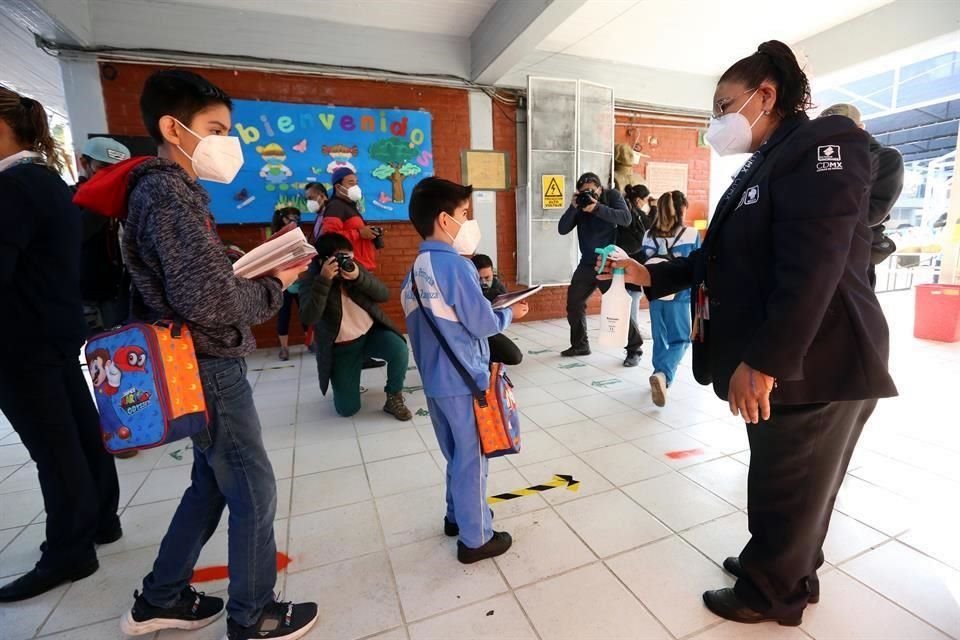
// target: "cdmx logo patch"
[[828, 158]]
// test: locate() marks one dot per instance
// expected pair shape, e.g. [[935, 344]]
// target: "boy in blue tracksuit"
[[449, 290]]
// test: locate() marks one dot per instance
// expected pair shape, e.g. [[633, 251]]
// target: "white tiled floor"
[[626, 556]]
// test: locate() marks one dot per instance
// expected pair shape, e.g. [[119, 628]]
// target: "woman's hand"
[[520, 309], [367, 233], [291, 274], [636, 273], [330, 269], [749, 394]]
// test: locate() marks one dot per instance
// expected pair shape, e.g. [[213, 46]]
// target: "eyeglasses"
[[720, 105]]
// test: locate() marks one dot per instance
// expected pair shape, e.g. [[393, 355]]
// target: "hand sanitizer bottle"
[[615, 304]]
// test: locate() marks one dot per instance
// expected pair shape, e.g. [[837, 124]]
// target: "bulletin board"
[[286, 146], [666, 176], [485, 170]]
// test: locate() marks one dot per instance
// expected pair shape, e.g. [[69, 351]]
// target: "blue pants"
[[456, 429], [670, 320], [232, 470]]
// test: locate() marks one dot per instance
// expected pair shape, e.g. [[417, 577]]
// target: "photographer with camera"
[[342, 216], [596, 213], [341, 298]]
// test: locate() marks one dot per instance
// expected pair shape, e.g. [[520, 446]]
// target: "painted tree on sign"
[[395, 154]]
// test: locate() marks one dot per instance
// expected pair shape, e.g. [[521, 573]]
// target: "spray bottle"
[[615, 304]]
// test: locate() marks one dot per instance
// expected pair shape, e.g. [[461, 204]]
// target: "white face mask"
[[732, 133], [468, 238], [215, 158], [313, 206], [355, 193]]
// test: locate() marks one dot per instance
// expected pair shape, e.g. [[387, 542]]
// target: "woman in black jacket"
[[786, 325], [42, 389]]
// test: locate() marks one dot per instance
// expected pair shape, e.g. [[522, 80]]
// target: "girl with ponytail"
[[26, 133], [42, 389], [668, 240]]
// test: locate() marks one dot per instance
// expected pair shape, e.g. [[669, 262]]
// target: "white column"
[[950, 263], [84, 97], [484, 202]]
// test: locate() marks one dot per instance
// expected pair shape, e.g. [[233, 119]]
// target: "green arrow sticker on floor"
[[572, 365], [605, 383]]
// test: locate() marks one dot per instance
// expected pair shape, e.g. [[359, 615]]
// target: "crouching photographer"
[[342, 300]]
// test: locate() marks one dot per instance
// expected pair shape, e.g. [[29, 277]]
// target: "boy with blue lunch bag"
[[449, 321], [153, 390]]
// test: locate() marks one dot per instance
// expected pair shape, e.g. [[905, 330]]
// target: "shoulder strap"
[[479, 395], [677, 239]]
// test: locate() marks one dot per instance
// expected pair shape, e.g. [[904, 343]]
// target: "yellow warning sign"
[[552, 191]]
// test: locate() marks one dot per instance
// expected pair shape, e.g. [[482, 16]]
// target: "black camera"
[[378, 241], [345, 262], [585, 198]]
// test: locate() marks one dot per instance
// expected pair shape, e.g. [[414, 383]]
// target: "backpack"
[[669, 256], [147, 385]]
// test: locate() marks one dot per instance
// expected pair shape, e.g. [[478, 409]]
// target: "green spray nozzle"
[[604, 253]]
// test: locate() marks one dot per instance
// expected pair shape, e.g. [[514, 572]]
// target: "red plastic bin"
[[937, 312]]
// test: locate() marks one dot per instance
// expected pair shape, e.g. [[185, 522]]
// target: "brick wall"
[[673, 145], [451, 134]]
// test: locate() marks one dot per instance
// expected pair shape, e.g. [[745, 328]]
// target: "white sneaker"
[[658, 389]]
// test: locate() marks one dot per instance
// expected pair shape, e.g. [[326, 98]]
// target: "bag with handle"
[[668, 256], [147, 385], [496, 411]]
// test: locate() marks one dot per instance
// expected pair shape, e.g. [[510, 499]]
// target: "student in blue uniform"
[[668, 240], [449, 291], [786, 324]]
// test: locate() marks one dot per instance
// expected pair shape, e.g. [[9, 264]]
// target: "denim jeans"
[[230, 469]]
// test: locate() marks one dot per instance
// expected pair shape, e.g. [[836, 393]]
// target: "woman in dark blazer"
[[786, 325]]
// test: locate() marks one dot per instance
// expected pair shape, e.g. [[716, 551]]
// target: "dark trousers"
[[348, 361], [798, 459], [230, 470], [582, 286], [283, 316], [45, 396], [505, 350]]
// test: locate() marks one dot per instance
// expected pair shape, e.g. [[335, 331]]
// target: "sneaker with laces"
[[279, 621], [658, 389], [194, 610]]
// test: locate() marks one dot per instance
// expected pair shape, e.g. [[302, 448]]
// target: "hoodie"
[[178, 265]]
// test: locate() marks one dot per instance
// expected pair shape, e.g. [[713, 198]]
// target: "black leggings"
[[283, 316]]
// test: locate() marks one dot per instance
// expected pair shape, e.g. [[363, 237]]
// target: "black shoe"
[[497, 545], [452, 529], [633, 359], [575, 351], [370, 363], [726, 604], [279, 620], [107, 536], [34, 582], [732, 566], [194, 610]]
